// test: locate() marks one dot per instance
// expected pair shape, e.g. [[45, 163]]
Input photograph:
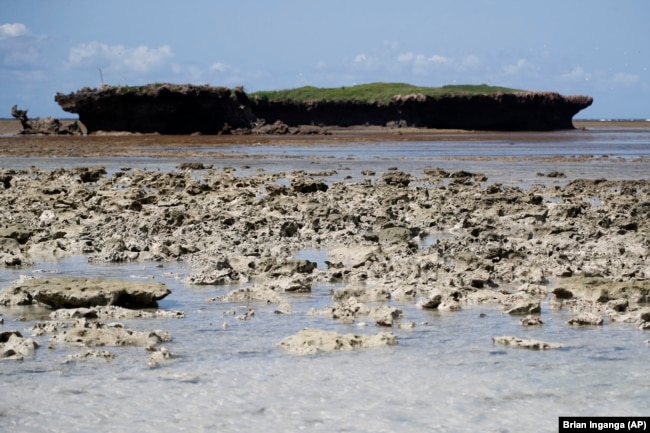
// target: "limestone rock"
[[363, 294], [13, 296], [385, 315], [91, 334], [212, 270], [14, 346], [112, 312], [353, 257], [313, 341], [346, 311], [78, 292], [526, 344], [431, 302], [392, 235], [531, 320], [91, 354], [586, 319], [158, 356], [11, 253], [523, 304], [256, 293], [294, 284]]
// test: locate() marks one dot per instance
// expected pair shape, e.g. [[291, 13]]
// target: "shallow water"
[[445, 375], [616, 154]]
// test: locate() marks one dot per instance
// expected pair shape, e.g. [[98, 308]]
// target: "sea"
[[445, 374]]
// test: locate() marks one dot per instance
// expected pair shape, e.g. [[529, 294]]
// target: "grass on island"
[[374, 92], [153, 88]]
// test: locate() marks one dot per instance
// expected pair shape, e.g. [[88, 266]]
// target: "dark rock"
[[307, 185], [289, 229], [45, 126], [192, 166], [431, 303], [89, 174], [162, 108], [187, 109], [562, 293], [518, 111], [397, 178]]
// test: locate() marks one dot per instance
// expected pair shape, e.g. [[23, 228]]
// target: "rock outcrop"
[[44, 126], [313, 341], [71, 292], [92, 334], [14, 346], [520, 111], [161, 108], [187, 109], [523, 343]]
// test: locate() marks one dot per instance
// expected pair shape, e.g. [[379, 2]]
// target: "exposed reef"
[[45, 126], [187, 109]]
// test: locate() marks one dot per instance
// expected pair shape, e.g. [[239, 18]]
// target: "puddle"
[[433, 237], [319, 256]]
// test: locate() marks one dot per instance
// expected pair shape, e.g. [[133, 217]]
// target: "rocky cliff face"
[[166, 109], [173, 109], [535, 111]]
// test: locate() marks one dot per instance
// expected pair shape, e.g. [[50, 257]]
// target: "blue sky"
[[597, 48]]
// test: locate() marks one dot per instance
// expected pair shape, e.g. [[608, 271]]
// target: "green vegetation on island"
[[156, 88], [371, 92], [374, 92]]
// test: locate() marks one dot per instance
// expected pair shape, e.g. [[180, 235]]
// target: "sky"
[[589, 47]]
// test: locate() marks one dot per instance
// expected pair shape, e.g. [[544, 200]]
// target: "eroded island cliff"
[[187, 109]]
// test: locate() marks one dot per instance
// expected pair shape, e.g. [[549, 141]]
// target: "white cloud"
[[625, 79], [117, 57], [220, 67], [576, 74], [439, 60], [520, 65], [421, 64], [361, 58], [470, 61], [12, 30], [18, 48], [405, 57]]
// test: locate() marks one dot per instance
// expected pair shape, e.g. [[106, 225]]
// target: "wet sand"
[[186, 146]]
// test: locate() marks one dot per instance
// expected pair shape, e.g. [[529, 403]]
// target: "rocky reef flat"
[[438, 239]]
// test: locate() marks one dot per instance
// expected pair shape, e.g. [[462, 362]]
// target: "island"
[[186, 109]]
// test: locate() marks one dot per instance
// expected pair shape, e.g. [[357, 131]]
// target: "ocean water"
[[445, 375]]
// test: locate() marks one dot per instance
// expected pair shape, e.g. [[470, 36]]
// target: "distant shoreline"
[[11, 127]]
